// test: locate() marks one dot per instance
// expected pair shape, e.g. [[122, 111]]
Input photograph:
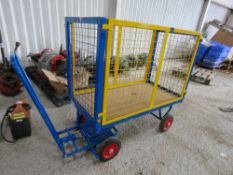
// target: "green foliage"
[[132, 60], [142, 58], [123, 64], [128, 61]]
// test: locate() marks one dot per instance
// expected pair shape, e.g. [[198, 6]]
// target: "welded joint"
[[172, 29], [107, 27]]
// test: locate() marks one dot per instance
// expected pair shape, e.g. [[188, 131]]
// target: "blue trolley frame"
[[92, 131]]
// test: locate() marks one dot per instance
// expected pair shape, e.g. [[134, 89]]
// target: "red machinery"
[[51, 60], [10, 84], [48, 59]]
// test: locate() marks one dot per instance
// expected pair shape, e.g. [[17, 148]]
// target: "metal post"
[[203, 15], [4, 59], [100, 60], [106, 72], [69, 60], [160, 62], [116, 66]]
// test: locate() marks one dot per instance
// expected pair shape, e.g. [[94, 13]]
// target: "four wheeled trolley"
[[117, 71]]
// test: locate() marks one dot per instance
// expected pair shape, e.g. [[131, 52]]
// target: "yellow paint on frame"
[[116, 66], [106, 72], [120, 23], [158, 72], [105, 122], [149, 59], [190, 66]]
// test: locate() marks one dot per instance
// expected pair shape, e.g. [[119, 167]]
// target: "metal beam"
[[203, 15]]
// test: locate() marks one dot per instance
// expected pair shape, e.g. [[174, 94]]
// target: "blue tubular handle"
[[27, 84]]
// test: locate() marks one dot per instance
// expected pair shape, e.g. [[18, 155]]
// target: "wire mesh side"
[[155, 57], [84, 41], [175, 65], [133, 53], [177, 60]]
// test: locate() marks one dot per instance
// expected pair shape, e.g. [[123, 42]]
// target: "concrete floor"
[[199, 142]]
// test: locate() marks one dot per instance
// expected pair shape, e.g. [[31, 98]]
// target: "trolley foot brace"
[[160, 116], [68, 135]]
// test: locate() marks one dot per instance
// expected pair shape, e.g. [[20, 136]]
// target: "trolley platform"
[[125, 103]]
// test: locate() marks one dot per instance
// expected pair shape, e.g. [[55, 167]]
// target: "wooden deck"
[[127, 99]]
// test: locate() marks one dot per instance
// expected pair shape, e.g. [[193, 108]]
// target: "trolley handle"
[[27, 84]]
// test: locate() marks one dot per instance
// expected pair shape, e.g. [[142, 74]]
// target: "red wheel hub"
[[167, 123], [110, 151]]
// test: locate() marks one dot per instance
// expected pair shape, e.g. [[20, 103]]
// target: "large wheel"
[[109, 148], [166, 123]]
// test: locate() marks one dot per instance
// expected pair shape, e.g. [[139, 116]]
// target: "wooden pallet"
[[202, 75], [58, 99]]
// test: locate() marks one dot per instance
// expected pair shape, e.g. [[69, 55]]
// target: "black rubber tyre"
[[108, 149], [166, 123]]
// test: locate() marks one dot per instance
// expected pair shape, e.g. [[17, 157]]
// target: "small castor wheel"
[[109, 148], [166, 123]]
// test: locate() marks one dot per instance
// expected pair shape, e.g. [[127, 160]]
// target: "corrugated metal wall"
[[216, 12], [40, 23], [179, 13]]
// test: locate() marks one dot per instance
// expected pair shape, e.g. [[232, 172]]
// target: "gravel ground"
[[199, 142]]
